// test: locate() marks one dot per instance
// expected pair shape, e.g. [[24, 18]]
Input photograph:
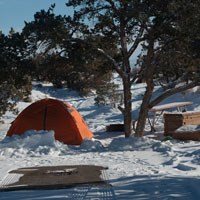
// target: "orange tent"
[[52, 114]]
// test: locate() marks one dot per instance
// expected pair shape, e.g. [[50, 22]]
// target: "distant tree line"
[[81, 52]]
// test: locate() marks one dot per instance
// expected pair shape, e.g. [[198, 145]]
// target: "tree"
[[154, 25], [114, 19], [14, 82], [170, 36], [55, 49]]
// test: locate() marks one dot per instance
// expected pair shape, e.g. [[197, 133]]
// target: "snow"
[[188, 128], [138, 168]]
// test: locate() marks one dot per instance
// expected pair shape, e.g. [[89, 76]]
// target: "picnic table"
[[158, 111]]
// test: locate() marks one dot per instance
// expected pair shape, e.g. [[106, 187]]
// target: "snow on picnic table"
[[138, 168]]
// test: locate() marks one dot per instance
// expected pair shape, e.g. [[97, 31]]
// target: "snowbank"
[[32, 143]]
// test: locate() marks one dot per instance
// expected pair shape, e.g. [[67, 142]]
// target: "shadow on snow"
[[136, 187]]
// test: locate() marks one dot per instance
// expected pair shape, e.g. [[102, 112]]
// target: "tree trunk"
[[127, 107], [144, 110], [149, 72]]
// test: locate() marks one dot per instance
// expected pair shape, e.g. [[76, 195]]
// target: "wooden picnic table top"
[[169, 105]]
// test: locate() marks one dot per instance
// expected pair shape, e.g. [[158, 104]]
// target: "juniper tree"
[[151, 24], [61, 55], [15, 84]]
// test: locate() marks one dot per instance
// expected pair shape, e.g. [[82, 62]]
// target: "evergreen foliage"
[[15, 84], [63, 53]]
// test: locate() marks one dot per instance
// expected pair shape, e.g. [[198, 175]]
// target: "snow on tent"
[[52, 114]]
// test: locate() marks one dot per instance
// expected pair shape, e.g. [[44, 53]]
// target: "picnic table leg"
[[152, 123], [181, 108]]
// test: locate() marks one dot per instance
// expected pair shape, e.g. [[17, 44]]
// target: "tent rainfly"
[[52, 114]]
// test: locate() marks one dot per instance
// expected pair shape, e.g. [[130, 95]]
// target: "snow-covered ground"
[[138, 168]]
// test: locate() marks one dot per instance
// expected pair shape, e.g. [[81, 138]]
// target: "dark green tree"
[[63, 52], [15, 84]]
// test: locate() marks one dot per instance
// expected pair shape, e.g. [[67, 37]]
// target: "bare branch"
[[173, 83], [171, 92], [121, 109], [112, 5], [116, 65], [135, 75], [136, 42]]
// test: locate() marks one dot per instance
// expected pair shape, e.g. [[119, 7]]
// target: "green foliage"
[[167, 138], [80, 71], [106, 92], [46, 27], [14, 83], [177, 56], [65, 53], [168, 28]]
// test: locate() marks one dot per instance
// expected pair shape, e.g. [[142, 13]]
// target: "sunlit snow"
[[138, 168]]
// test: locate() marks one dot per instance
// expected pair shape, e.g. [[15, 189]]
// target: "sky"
[[13, 13]]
